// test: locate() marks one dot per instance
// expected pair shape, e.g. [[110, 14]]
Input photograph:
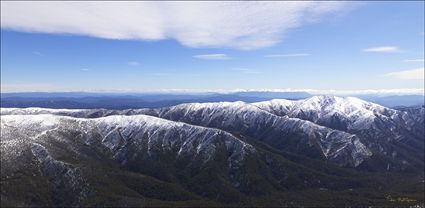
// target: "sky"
[[214, 46]]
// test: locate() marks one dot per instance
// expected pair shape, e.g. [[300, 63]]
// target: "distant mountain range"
[[79, 100], [271, 153]]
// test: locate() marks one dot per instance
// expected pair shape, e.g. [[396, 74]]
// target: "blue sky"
[[322, 46]]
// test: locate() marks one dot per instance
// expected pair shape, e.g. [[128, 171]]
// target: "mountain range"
[[84, 100], [278, 152]]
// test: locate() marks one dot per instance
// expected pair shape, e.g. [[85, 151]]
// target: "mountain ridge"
[[197, 153]]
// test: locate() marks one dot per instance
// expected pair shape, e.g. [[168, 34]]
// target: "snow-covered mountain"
[[148, 134], [70, 156], [344, 130], [290, 134], [217, 151], [61, 144], [395, 134], [345, 113]]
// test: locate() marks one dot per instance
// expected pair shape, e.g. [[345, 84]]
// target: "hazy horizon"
[[381, 92]]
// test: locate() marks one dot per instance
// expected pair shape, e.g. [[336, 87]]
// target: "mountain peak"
[[358, 114]]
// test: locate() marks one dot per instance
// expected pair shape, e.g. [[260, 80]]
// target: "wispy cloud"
[[37, 53], [414, 60], [246, 70], [218, 56], [382, 49], [286, 55], [400, 91], [133, 63], [52, 88], [161, 74], [386, 92], [85, 69], [414, 74], [240, 25], [29, 87]]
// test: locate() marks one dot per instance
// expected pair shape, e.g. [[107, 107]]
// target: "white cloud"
[[37, 53], [400, 91], [414, 60], [382, 49], [28, 87], [218, 56], [240, 25], [160, 74], [51, 88], [286, 55], [246, 70], [85, 69], [380, 92], [133, 63], [417, 74]]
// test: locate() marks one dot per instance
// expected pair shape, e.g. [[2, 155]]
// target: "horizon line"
[[402, 91]]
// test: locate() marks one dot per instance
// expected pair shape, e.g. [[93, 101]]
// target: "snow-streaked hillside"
[[283, 133], [357, 113], [344, 130], [219, 151], [148, 134]]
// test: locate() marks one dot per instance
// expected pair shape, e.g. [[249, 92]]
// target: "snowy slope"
[[358, 114], [146, 133], [291, 134], [397, 136], [345, 130], [284, 133]]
